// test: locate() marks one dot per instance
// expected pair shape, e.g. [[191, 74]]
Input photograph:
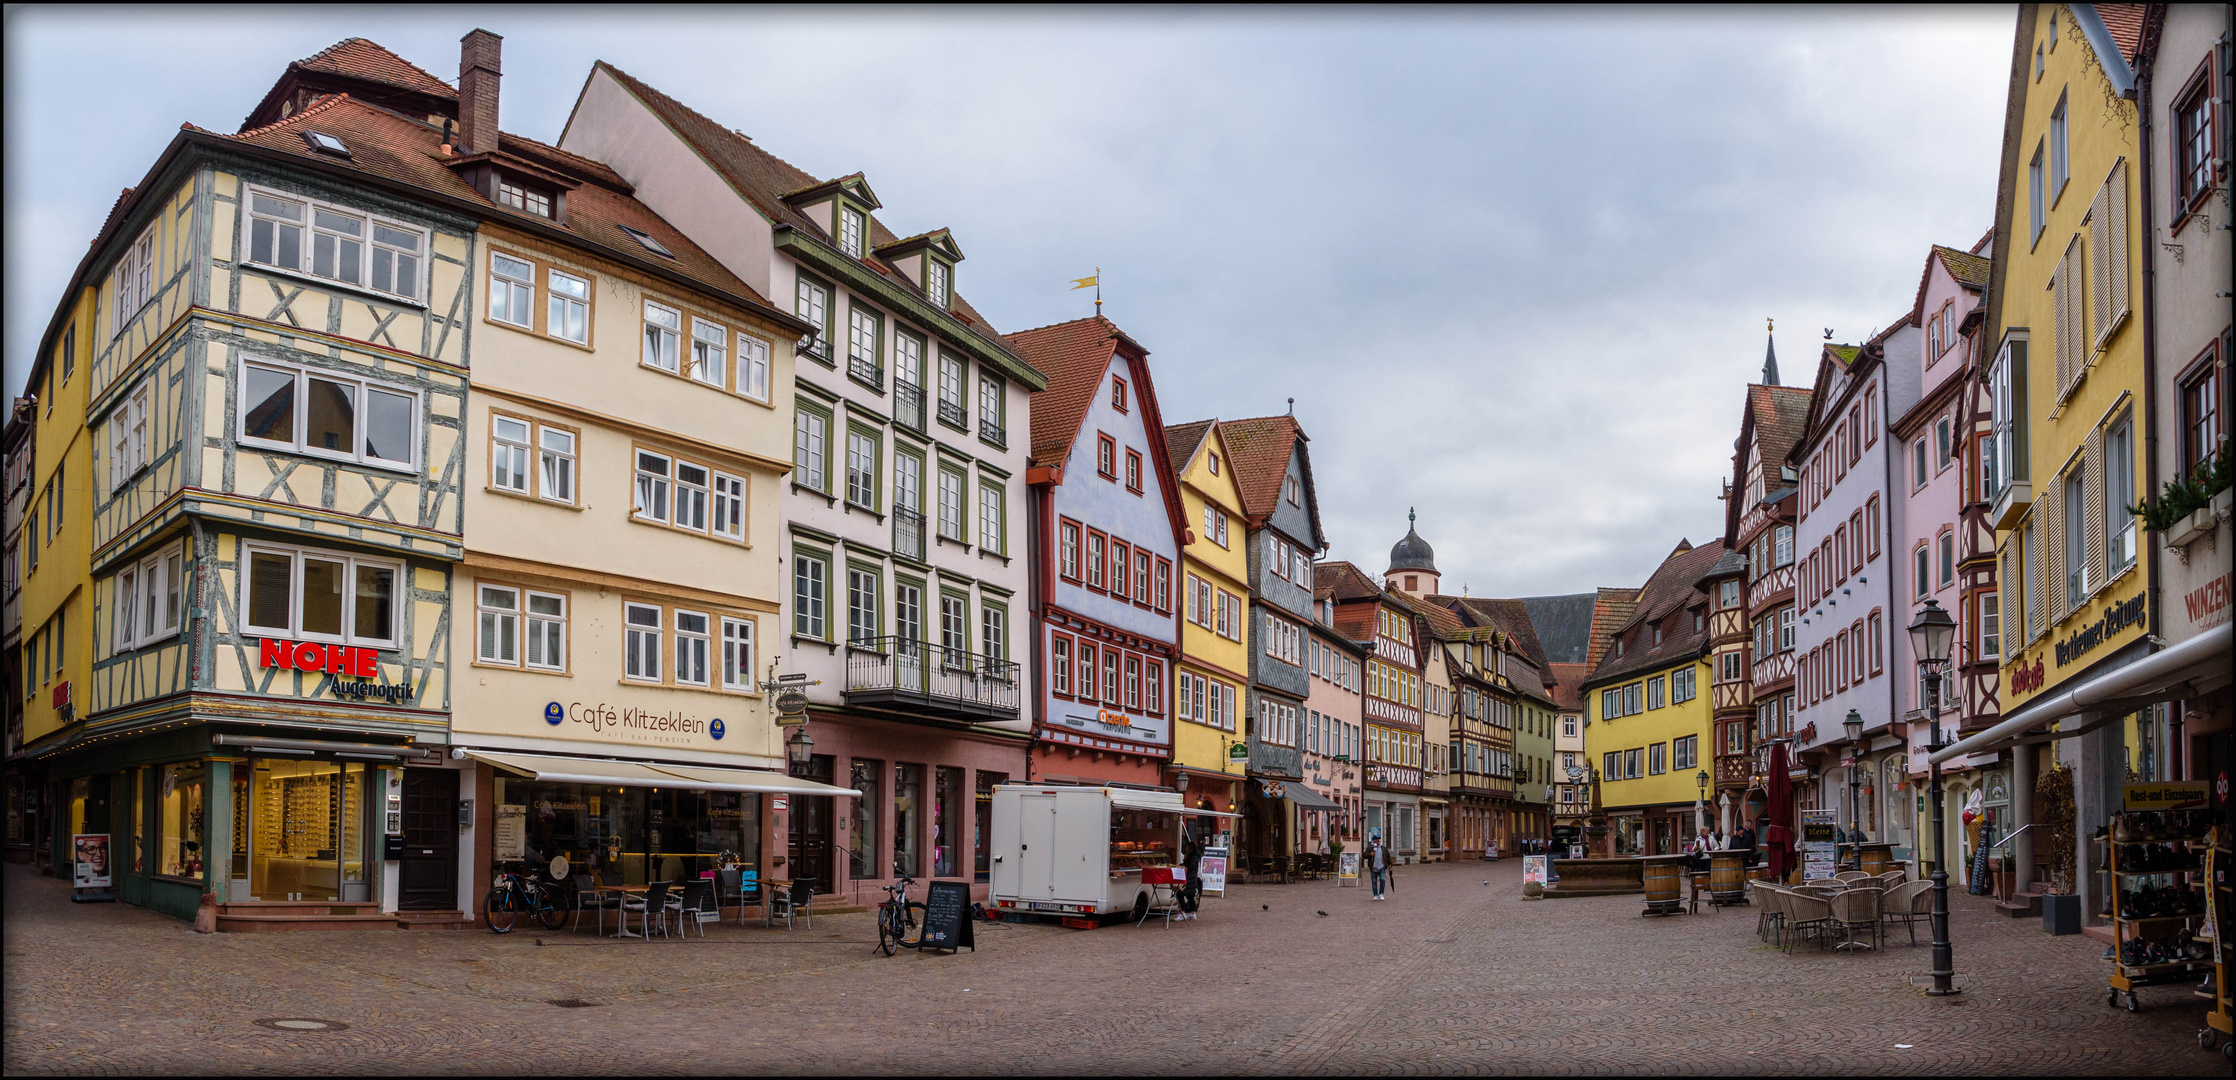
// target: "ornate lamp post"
[[1854, 724], [1930, 637], [799, 748]]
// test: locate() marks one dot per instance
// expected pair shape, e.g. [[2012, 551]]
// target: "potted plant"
[[2053, 809], [2190, 507]]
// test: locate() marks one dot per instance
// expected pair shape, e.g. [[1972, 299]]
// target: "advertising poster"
[[1212, 870], [1533, 869], [1347, 869], [512, 832], [1818, 852], [89, 860]]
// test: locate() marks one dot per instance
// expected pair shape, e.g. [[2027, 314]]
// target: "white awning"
[[2197, 665], [640, 774], [1168, 802]]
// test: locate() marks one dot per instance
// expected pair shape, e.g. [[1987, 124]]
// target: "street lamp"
[[1930, 636], [1702, 781], [1854, 724], [798, 748]]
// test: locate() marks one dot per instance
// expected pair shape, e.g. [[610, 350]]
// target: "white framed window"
[[810, 593], [663, 336], [692, 645], [864, 327], [864, 593], [853, 226], [753, 367], [811, 432], [993, 631], [729, 506], [556, 464], [134, 280], [327, 414], [937, 281], [2119, 494], [861, 468], [951, 504], [547, 631], [951, 374], [497, 632], [569, 302], [992, 517], [337, 241], [990, 410], [320, 595], [642, 648], [812, 301], [508, 453], [737, 654], [653, 486], [1292, 491], [710, 352], [128, 441], [512, 290], [691, 496], [149, 598], [954, 626]]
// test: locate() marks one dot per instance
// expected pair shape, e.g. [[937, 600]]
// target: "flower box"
[[2199, 524]]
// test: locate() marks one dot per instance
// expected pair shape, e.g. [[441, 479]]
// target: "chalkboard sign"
[[947, 922]]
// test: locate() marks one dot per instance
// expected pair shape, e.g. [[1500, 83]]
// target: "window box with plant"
[[2190, 507]]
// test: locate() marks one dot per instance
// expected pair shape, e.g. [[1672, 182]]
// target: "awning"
[[2197, 665], [640, 774], [1308, 799], [1167, 802]]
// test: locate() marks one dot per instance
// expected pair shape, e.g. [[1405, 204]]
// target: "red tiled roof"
[[1668, 592], [1609, 614], [1261, 447], [2125, 22], [1183, 440], [1568, 685], [362, 59], [1781, 413], [763, 179], [1965, 267], [402, 150], [1072, 356]]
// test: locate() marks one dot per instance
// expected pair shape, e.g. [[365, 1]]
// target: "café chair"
[[655, 899], [1850, 875], [1855, 910], [1806, 914], [792, 899], [591, 896], [696, 905]]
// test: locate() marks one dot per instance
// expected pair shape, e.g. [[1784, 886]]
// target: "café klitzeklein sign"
[[602, 718]]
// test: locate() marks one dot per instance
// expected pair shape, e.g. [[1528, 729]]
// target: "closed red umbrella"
[[1778, 838]]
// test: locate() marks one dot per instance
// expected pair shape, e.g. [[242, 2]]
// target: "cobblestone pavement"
[[1448, 976]]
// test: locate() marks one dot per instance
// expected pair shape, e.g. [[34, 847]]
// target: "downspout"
[[2150, 341]]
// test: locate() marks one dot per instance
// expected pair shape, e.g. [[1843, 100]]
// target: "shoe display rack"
[[2217, 1028], [2157, 864]]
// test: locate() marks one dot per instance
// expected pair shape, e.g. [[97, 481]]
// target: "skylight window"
[[651, 245], [325, 144]]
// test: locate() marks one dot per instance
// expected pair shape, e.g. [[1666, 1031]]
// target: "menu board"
[[1211, 870], [1818, 854], [1347, 869], [947, 922], [512, 831]]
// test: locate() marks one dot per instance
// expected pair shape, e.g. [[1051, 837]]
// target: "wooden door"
[[809, 852], [427, 872]]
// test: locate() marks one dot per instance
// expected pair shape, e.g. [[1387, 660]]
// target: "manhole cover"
[[572, 1003], [301, 1023]]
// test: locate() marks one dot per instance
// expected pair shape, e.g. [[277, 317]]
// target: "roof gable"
[[354, 65], [1073, 356]]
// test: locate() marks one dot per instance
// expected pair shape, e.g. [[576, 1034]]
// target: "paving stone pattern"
[[1447, 976]]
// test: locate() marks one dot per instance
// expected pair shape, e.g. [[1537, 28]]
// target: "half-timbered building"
[[1394, 748], [1759, 515]]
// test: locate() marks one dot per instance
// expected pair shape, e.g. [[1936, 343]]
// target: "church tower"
[[1412, 564]]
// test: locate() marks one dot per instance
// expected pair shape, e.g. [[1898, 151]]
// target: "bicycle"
[[899, 919], [514, 896]]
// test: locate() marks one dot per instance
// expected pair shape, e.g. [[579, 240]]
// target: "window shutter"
[[2010, 578], [2061, 286], [2093, 513], [2099, 265], [2115, 255], [2051, 588]]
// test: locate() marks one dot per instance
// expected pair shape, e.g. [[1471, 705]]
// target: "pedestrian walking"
[[1377, 864]]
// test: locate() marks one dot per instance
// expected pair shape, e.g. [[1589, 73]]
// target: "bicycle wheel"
[[912, 926], [885, 934], [500, 911], [550, 911]]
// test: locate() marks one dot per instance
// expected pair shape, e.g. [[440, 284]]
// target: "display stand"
[[2156, 865], [2217, 1028]]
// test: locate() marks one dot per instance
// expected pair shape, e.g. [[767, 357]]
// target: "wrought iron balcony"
[[993, 433], [908, 534], [866, 370], [952, 413], [908, 404], [949, 683]]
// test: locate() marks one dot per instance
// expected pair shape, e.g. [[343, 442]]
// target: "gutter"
[[2107, 51]]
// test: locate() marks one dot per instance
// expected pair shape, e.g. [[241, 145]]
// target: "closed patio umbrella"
[[1778, 838]]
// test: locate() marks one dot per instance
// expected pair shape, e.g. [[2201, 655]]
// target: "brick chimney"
[[479, 68]]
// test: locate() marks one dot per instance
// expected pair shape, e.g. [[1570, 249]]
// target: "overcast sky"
[[1513, 267]]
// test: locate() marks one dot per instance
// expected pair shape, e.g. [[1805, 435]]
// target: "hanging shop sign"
[[2164, 795], [2118, 617], [791, 707]]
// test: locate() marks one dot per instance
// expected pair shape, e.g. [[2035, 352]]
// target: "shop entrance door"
[[427, 874], [809, 854], [307, 831]]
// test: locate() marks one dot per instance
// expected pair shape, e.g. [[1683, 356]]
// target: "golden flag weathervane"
[[1094, 280]]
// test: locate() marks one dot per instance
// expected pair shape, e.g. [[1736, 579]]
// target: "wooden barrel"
[[1727, 877], [1661, 885], [1877, 859]]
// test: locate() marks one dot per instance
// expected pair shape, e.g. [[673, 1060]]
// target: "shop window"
[[947, 821], [631, 835], [307, 836], [908, 796], [181, 825]]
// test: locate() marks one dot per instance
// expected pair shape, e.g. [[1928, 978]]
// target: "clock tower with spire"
[[1412, 564]]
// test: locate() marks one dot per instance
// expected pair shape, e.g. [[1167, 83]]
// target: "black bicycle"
[[900, 920], [523, 897]]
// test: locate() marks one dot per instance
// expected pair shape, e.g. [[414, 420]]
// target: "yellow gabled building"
[[1215, 623], [1648, 722]]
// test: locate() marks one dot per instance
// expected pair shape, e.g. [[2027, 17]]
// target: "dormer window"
[[937, 282], [326, 144], [524, 198], [853, 226]]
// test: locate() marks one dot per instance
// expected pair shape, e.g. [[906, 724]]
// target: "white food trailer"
[[1080, 851]]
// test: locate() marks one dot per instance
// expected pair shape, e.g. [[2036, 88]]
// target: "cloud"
[[1513, 268]]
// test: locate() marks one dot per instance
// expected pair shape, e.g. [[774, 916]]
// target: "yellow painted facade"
[[1207, 480], [1642, 732], [571, 544], [2067, 314], [57, 587]]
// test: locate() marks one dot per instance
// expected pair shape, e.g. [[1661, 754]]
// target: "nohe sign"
[[315, 656]]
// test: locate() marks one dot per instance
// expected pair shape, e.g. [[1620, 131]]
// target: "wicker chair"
[[1892, 878], [1806, 914], [1770, 917], [1850, 875], [1902, 904], [1857, 909]]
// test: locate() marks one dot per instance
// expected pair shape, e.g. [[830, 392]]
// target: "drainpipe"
[[2150, 340]]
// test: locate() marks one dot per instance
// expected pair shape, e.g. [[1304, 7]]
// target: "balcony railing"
[[1734, 768], [993, 433], [951, 412], [931, 678], [908, 404], [866, 370], [908, 534]]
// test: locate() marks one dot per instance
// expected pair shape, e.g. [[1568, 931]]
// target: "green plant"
[[2185, 495], [2053, 814], [1533, 888]]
